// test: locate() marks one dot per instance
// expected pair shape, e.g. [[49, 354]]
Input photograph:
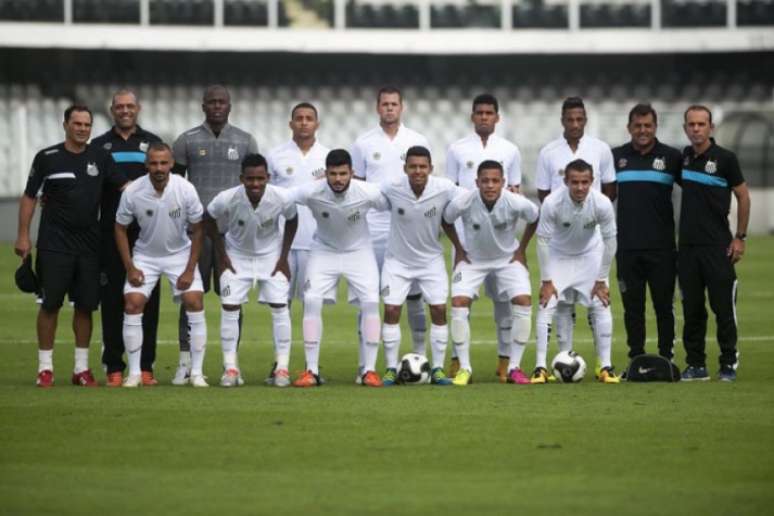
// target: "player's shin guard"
[[229, 336], [391, 337], [521, 327], [280, 321], [312, 329], [133, 342], [565, 325], [370, 328], [418, 323], [460, 335], [603, 332], [543, 333], [198, 332], [439, 337], [502, 316]]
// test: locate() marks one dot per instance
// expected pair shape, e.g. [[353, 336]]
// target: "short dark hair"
[[486, 98], [254, 160], [490, 164], [388, 90], [697, 107], [159, 147], [337, 158], [573, 103], [579, 165], [77, 107], [643, 110], [418, 150], [215, 87], [302, 105]]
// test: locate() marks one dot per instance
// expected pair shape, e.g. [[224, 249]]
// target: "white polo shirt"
[[341, 217], [572, 227], [252, 231], [555, 156], [464, 156], [289, 167], [379, 159], [415, 223], [163, 219], [490, 235]]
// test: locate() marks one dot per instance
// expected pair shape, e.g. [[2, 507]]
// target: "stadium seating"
[[181, 12], [692, 13], [536, 14], [32, 10], [598, 15], [382, 15], [113, 11], [755, 12]]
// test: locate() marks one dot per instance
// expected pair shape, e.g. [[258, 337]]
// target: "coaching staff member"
[[646, 170], [72, 176], [127, 142], [211, 156], [708, 251]]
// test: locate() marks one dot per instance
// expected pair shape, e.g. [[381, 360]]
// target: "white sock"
[[81, 360], [133, 342], [391, 337], [312, 330], [565, 325], [45, 360], [543, 333], [460, 334], [280, 321], [603, 336], [502, 317], [229, 336], [521, 327], [198, 334], [439, 337], [370, 329], [185, 359], [361, 352], [418, 323]]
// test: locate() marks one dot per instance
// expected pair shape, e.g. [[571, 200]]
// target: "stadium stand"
[[32, 11]]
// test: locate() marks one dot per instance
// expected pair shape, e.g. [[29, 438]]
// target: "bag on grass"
[[652, 368]]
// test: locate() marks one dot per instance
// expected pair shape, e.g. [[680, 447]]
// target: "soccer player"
[[210, 156], [255, 253], [166, 208], [378, 156], [127, 142], [462, 161], [707, 251], [645, 172], [551, 164], [72, 177], [489, 215], [575, 260], [340, 248], [414, 257]]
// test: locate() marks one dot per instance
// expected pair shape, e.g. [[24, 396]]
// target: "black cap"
[[25, 277]]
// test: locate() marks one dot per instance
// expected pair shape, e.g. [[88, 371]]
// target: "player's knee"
[[522, 300], [193, 301], [391, 314], [231, 308], [460, 302], [438, 314], [460, 327], [134, 304], [312, 305]]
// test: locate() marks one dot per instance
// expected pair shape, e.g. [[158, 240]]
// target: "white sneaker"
[[132, 381], [182, 375], [231, 378], [359, 377], [281, 378], [198, 380]]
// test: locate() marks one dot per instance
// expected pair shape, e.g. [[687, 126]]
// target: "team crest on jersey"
[[659, 164], [469, 164], [622, 162], [92, 169], [711, 167], [149, 213], [232, 153], [457, 277], [476, 227], [289, 171], [175, 213], [501, 226], [590, 224], [225, 291], [143, 146], [240, 222], [377, 155], [319, 173], [266, 223], [107, 146], [431, 212], [401, 211], [202, 152], [386, 291], [325, 214], [354, 217]]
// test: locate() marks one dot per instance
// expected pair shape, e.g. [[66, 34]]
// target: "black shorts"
[[63, 273]]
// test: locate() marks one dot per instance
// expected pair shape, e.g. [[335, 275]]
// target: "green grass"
[[341, 449]]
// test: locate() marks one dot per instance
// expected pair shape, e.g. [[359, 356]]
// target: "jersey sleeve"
[[125, 211], [734, 172], [606, 166], [252, 145], [514, 171], [455, 207], [193, 208], [377, 200], [545, 227], [358, 160], [528, 209], [218, 207], [606, 217], [300, 194], [179, 151], [114, 176], [36, 177], [452, 166], [289, 210], [542, 173]]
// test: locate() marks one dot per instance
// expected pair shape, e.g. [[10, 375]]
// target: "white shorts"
[[574, 275], [398, 279], [504, 279], [251, 272], [358, 267], [171, 266]]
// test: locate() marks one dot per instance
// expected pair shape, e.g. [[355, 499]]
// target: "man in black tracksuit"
[[127, 142], [708, 251], [646, 169]]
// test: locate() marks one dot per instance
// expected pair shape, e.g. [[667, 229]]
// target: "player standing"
[[255, 253], [489, 215]]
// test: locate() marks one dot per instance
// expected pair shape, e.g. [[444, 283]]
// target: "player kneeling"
[[166, 207], [249, 217], [489, 216], [575, 262]]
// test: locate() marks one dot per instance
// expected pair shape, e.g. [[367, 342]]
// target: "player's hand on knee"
[[601, 291], [520, 256], [460, 255], [135, 277], [283, 267], [225, 263], [185, 280], [22, 247], [547, 291]]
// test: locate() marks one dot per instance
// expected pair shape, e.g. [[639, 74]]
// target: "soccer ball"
[[414, 369], [568, 367]]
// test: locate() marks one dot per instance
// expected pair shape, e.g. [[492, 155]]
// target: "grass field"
[[342, 449]]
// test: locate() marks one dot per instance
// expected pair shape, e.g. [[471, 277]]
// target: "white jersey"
[[464, 156], [490, 235], [252, 231], [379, 159], [341, 217], [289, 167], [164, 218], [555, 156], [572, 227], [415, 223]]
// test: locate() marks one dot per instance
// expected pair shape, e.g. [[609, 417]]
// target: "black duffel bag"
[[652, 368]]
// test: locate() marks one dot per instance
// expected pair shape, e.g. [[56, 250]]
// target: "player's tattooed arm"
[[291, 226], [222, 261], [459, 252], [197, 235]]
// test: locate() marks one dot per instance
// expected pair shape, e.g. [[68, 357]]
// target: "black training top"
[[707, 180], [645, 213], [129, 155], [72, 187]]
